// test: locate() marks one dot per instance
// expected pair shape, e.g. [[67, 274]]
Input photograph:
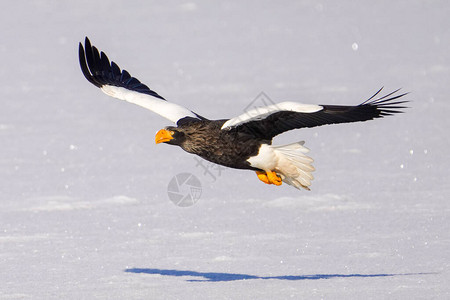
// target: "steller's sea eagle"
[[243, 142]]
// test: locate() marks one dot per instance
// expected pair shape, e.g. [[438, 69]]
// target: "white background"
[[84, 210]]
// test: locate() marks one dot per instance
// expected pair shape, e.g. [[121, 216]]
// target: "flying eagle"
[[243, 142]]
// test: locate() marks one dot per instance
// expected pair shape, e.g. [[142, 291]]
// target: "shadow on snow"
[[217, 277]]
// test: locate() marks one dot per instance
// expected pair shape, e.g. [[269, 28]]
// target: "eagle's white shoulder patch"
[[168, 110], [261, 113]]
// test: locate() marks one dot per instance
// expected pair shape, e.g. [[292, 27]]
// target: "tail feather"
[[294, 166]]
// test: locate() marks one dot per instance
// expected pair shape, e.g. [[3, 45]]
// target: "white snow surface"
[[84, 208]]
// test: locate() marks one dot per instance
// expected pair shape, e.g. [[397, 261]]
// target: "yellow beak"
[[163, 136]]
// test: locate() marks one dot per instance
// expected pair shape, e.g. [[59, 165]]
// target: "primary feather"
[[121, 85], [283, 117]]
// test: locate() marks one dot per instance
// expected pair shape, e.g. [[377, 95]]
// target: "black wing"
[[282, 121], [120, 84], [99, 71]]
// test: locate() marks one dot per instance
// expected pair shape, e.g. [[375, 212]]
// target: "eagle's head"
[[170, 135]]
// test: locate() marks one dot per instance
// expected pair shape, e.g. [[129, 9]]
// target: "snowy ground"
[[84, 208]]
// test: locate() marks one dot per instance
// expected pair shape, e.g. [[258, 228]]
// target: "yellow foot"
[[262, 176], [274, 178], [269, 177]]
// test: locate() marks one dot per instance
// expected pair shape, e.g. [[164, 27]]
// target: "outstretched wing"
[[121, 85], [269, 121]]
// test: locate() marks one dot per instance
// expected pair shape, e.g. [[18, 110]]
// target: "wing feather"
[[118, 83], [283, 119]]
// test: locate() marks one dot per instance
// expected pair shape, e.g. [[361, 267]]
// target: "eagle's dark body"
[[230, 148]]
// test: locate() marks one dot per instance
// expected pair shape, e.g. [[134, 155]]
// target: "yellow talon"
[[274, 178], [269, 178], [262, 176]]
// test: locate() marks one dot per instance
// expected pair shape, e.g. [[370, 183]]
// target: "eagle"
[[242, 142]]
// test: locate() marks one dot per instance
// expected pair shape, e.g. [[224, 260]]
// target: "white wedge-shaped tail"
[[294, 166], [290, 162]]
